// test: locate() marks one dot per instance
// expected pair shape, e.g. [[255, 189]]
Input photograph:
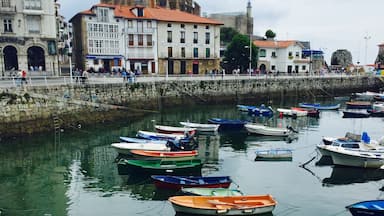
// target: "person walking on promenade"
[[24, 77], [85, 76], [124, 74]]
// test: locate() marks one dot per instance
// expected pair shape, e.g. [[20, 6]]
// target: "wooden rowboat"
[[126, 148], [223, 205], [201, 127], [175, 130], [165, 154], [178, 182], [274, 155]]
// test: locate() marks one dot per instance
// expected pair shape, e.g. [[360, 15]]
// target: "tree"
[[237, 53], [269, 34], [227, 33]]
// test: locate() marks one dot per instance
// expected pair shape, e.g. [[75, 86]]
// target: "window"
[[34, 24], [273, 67], [262, 53], [183, 52], [140, 40], [149, 24], [170, 54], [303, 67], [149, 40], [102, 14], [273, 54], [297, 54], [140, 26], [207, 52], [206, 27], [169, 25], [195, 37], [195, 52], [195, 26], [182, 37], [32, 4], [140, 12], [290, 56], [207, 37], [182, 26], [8, 25], [130, 24], [130, 40], [169, 37], [5, 3]]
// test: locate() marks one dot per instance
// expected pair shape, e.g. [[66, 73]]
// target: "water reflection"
[[350, 175]]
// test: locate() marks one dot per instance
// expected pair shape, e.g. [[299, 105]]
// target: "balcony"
[[7, 8], [33, 10]]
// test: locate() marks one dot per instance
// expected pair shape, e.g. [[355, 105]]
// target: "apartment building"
[[28, 36], [148, 40]]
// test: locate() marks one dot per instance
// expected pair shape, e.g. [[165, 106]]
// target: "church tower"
[[249, 19]]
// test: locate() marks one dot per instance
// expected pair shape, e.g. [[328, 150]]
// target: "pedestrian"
[[124, 74], [85, 76], [23, 76]]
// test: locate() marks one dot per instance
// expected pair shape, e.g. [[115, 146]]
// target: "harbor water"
[[74, 172]]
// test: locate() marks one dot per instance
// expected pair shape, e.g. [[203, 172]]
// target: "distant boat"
[[184, 155], [178, 182], [357, 158], [138, 140], [318, 106], [292, 112], [202, 127], [310, 112], [223, 205], [274, 155], [355, 114], [266, 130], [358, 105], [125, 148], [158, 136], [378, 106], [175, 130], [163, 167], [245, 108], [262, 111], [211, 192], [368, 95], [367, 208], [228, 124]]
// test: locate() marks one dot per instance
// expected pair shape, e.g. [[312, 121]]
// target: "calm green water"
[[75, 173]]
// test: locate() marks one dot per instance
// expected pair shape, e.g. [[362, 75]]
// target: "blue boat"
[[262, 111], [355, 114], [176, 142], [318, 106], [178, 182], [138, 140], [228, 124], [245, 108], [365, 208]]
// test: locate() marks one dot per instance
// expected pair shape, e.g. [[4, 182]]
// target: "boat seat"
[[255, 202]]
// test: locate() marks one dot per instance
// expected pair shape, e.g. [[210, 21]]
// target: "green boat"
[[211, 192], [160, 167]]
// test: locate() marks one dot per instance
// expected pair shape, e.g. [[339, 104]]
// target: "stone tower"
[[380, 57], [249, 19]]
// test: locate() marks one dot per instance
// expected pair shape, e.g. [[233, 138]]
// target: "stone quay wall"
[[44, 108]]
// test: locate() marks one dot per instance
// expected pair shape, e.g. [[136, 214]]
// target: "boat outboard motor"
[[292, 129]]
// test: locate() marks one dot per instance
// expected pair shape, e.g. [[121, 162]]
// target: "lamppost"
[[366, 47], [250, 55], [2, 61], [70, 64]]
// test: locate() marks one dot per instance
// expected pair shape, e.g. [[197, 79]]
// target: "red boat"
[[310, 112], [178, 182], [175, 130], [164, 154]]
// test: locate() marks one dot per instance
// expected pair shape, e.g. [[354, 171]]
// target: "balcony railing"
[[6, 8]]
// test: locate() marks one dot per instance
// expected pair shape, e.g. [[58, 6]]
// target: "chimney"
[[152, 3]]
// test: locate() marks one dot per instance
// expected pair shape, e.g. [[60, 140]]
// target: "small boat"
[[245, 108], [378, 106], [201, 127], [292, 112], [374, 113], [165, 154], [125, 148], [159, 136], [358, 105], [318, 106], [175, 130], [195, 191], [178, 182], [228, 124], [138, 140], [223, 205], [355, 114], [357, 158], [368, 95], [162, 167], [367, 208], [261, 111], [310, 112], [274, 155], [378, 97], [267, 131]]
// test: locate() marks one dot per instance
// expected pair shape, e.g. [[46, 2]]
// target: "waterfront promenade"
[[48, 80]]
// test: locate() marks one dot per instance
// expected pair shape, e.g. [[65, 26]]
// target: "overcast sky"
[[328, 24]]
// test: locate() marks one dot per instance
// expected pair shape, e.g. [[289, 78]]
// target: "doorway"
[[36, 57], [10, 58]]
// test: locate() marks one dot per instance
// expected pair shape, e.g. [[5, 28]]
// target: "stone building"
[[28, 36], [188, 6], [242, 22], [380, 57], [148, 40]]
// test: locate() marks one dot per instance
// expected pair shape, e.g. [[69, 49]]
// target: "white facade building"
[[281, 56], [146, 40], [28, 38]]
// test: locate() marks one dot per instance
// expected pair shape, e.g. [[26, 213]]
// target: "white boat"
[[201, 127], [368, 95], [175, 130], [125, 148], [266, 130], [290, 112], [357, 158], [378, 106], [159, 136], [278, 154]]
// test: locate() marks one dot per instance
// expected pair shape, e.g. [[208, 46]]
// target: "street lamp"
[[2, 61], [366, 47]]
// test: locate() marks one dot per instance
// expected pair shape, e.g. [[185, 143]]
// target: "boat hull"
[[202, 127], [351, 114], [274, 155], [367, 208], [320, 107], [176, 183], [356, 161], [267, 131], [211, 192], [125, 148], [228, 124]]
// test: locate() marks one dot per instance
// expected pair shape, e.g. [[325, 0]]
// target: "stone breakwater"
[[40, 109]]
